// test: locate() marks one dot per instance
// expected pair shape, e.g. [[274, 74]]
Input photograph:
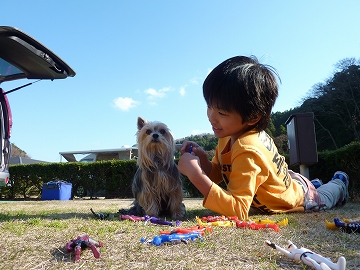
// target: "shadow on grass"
[[190, 214], [55, 216], [61, 255]]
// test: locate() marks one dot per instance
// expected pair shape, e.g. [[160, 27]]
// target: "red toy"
[[131, 217], [225, 221], [198, 229], [255, 226], [217, 222], [217, 218], [83, 242]]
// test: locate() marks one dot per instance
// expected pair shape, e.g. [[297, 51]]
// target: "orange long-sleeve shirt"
[[255, 175]]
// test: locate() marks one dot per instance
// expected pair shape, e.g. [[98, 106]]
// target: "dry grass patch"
[[33, 235]]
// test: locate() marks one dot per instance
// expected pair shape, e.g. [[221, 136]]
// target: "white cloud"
[[153, 93], [182, 91], [152, 103], [125, 103], [194, 80]]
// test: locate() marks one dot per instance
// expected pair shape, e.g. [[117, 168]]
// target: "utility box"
[[56, 190], [302, 139]]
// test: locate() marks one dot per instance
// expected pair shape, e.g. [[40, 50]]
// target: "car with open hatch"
[[22, 57]]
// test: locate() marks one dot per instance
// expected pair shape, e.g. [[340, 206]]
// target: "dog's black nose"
[[155, 136]]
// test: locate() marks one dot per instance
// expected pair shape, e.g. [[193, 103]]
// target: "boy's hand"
[[189, 164], [189, 147], [194, 149]]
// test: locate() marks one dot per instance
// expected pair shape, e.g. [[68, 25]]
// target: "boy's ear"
[[253, 121]]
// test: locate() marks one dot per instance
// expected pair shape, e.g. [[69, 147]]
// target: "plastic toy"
[[131, 218], [223, 221], [81, 243], [254, 226], [159, 221], [266, 221], [283, 222], [173, 238], [220, 223], [198, 229], [352, 220], [191, 148], [348, 225], [218, 218], [330, 225], [308, 257], [99, 215], [147, 219]]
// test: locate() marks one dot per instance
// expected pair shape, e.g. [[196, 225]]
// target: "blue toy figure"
[[350, 227], [173, 238]]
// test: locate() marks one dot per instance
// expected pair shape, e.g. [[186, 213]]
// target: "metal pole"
[[304, 170]]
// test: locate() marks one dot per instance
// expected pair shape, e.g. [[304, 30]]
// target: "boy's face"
[[226, 123]]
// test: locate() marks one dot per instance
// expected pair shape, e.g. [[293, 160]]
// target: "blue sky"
[[150, 58]]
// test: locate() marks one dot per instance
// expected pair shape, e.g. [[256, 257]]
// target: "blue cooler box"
[[56, 190]]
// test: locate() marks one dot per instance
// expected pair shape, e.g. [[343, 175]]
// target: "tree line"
[[336, 107]]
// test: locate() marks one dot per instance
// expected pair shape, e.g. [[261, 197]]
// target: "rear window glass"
[[6, 69]]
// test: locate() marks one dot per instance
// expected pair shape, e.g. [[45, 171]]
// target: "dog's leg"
[[137, 188], [176, 207], [146, 199]]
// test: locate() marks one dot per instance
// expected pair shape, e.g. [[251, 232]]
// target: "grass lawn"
[[33, 235]]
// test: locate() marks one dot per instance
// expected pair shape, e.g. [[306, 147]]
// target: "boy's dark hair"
[[243, 85]]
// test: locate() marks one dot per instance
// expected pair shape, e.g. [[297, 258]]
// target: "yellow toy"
[[219, 223], [284, 222]]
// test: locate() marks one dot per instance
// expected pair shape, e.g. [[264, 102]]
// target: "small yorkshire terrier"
[[157, 184]]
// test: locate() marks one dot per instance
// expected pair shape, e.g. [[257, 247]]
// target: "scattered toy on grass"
[[83, 242], [283, 222], [101, 216], [218, 223], [198, 229], [173, 238], [217, 218], [255, 226], [308, 257], [131, 218], [347, 225], [159, 221], [223, 221]]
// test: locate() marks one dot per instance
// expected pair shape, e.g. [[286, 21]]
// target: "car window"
[[6, 69]]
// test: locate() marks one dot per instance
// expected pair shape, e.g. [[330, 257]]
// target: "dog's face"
[[155, 143]]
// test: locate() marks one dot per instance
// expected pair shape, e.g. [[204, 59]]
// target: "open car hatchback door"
[[22, 57]]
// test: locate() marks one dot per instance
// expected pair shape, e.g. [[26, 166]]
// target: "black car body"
[[22, 57]]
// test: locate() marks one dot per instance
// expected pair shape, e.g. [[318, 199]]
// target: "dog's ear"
[[141, 122]]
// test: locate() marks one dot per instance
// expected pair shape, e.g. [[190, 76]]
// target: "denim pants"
[[325, 197]]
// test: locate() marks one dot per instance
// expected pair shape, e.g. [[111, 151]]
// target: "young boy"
[[240, 93]]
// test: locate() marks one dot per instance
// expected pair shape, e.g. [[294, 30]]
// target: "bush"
[[112, 178]]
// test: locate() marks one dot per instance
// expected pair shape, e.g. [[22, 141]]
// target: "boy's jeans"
[[325, 197]]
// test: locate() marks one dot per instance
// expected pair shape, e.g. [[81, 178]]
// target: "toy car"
[[22, 57]]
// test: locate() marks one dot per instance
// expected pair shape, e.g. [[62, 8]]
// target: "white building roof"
[[103, 154]]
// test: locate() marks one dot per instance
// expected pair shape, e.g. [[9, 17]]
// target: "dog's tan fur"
[[157, 185]]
